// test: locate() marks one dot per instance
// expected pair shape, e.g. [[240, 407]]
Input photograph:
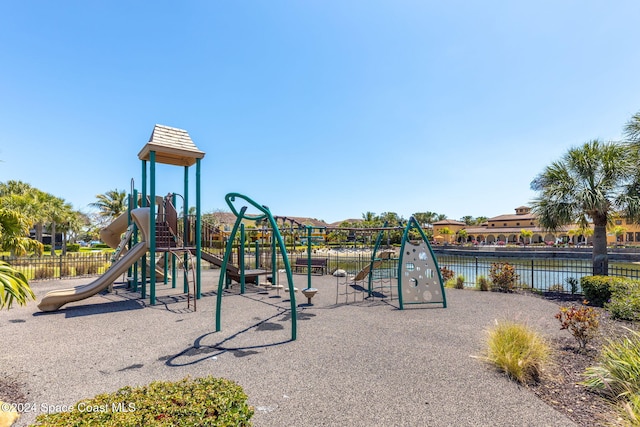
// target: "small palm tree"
[[111, 204], [619, 231], [446, 231], [526, 234]]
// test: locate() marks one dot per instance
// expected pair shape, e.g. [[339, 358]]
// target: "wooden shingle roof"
[[172, 146]]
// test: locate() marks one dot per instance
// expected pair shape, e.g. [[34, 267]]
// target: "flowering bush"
[[447, 273], [581, 321], [503, 276]]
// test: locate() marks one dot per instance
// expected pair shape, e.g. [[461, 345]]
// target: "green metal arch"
[[240, 215]]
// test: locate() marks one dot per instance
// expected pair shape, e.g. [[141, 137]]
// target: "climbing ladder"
[[188, 265], [123, 242]]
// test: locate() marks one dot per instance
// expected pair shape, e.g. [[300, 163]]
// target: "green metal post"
[[309, 230], [134, 241], [241, 259], [129, 221], [152, 228], [287, 266], [274, 260], [198, 232], [143, 265], [405, 237], [185, 282], [223, 268], [165, 268], [174, 268]]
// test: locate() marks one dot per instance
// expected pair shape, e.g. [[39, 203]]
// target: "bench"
[[318, 265]]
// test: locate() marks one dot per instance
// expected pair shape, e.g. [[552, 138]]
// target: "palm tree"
[[14, 187], [111, 204], [619, 231], [479, 220], [369, 219], [446, 231], [588, 184], [57, 211], [22, 197], [467, 219], [524, 234], [14, 234], [585, 232], [632, 130], [425, 219]]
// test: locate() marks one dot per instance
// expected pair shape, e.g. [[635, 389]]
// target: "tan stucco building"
[[503, 229], [508, 229]]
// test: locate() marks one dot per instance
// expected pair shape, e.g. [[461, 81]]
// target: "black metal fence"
[[61, 267], [544, 274]]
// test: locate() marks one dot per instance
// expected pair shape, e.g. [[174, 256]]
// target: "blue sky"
[[326, 109]]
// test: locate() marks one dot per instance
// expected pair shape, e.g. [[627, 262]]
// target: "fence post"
[[60, 274], [476, 279], [532, 268]]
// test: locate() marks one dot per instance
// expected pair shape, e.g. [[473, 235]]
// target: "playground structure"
[[151, 237], [416, 271], [151, 228]]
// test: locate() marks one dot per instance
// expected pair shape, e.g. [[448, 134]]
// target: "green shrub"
[[46, 248], [100, 246], [200, 402], [503, 277], [517, 350], [625, 300], [597, 289], [459, 282], [617, 375], [581, 321], [483, 284], [450, 283], [73, 247]]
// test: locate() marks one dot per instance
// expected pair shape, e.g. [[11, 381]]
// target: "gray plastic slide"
[[53, 300]]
